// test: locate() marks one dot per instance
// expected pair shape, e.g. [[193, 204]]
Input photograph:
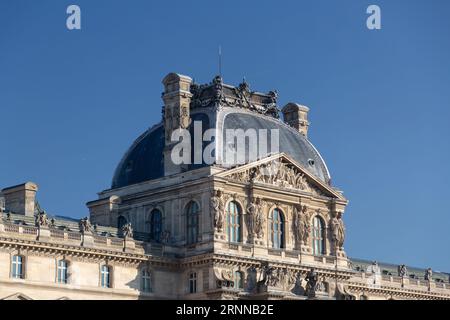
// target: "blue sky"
[[71, 102]]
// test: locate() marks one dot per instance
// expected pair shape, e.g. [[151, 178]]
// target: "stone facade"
[[272, 228]]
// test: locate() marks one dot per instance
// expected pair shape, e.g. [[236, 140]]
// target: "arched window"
[[105, 276], [62, 275], [192, 215], [146, 280], [318, 236], [277, 229], [17, 267], [234, 221], [121, 221], [155, 225]]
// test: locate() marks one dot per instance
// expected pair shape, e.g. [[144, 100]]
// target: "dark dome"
[[291, 141], [144, 160]]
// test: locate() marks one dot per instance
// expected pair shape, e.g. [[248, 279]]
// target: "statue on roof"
[[428, 274], [85, 225], [40, 219], [402, 271], [127, 230]]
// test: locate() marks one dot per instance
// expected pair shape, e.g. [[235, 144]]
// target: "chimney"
[[177, 99], [21, 199], [296, 116]]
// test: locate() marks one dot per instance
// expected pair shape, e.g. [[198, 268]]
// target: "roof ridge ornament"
[[217, 94]]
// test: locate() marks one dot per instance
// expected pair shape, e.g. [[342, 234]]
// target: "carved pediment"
[[282, 172], [17, 296]]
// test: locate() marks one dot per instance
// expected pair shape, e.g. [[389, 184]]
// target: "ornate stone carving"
[[85, 225], [301, 226], [217, 94], [281, 278], [218, 209], [224, 278], [127, 230], [402, 271], [227, 275], [338, 230], [312, 281], [255, 219], [277, 173], [251, 282]]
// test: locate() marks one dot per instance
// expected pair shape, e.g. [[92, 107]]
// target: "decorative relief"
[[224, 278], [281, 278], [279, 174], [338, 230], [255, 219], [301, 225], [312, 283], [218, 209], [219, 95]]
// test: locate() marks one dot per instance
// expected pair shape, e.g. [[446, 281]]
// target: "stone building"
[[260, 221]]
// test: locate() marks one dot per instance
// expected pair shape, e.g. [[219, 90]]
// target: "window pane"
[[62, 271], [318, 236], [156, 225], [192, 222], [16, 267]]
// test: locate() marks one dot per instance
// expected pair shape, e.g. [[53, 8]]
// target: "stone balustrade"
[[69, 237]]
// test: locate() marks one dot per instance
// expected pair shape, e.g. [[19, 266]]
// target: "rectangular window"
[[193, 282], [62, 271], [146, 281], [105, 277], [17, 267]]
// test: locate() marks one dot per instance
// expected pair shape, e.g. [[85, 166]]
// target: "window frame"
[[234, 221], [108, 275], [192, 287], [64, 269], [15, 265], [146, 280], [192, 222], [277, 229], [155, 233], [318, 236]]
